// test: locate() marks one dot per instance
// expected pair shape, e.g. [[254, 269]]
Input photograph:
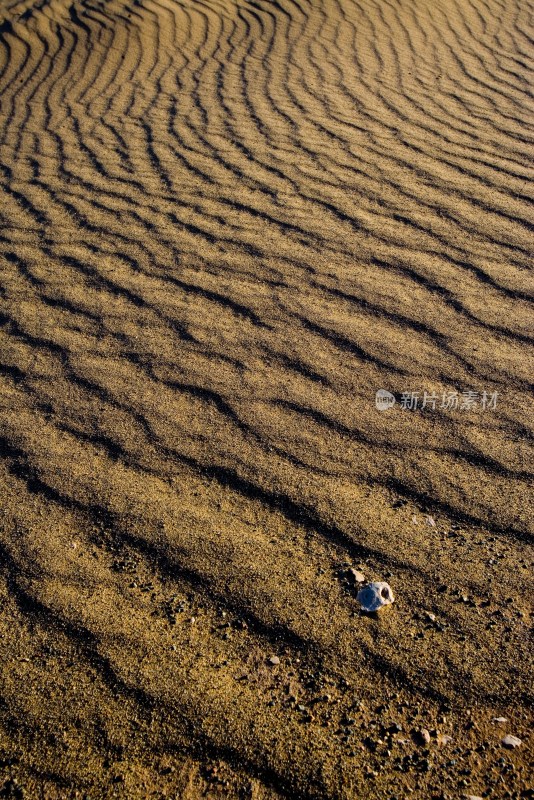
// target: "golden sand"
[[224, 225]]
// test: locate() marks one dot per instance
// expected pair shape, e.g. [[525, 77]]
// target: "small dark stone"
[[370, 744]]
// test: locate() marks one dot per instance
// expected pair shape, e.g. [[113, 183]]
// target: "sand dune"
[[224, 225]]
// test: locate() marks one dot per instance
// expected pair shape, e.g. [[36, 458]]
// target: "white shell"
[[375, 596]]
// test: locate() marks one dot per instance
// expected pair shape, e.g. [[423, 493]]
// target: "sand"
[[224, 226]]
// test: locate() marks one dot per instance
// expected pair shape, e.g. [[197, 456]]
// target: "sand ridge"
[[224, 226]]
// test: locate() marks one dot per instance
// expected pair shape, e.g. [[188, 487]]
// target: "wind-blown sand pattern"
[[225, 224]]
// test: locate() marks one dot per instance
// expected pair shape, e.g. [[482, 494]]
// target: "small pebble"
[[273, 661], [431, 521], [423, 736], [499, 720], [356, 576], [511, 741]]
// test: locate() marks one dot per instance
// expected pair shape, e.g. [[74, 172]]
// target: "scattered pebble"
[[443, 739], [355, 575], [431, 521], [414, 520], [511, 741], [499, 720], [422, 737], [273, 661]]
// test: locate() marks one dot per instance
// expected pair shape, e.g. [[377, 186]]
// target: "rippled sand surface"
[[224, 225]]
